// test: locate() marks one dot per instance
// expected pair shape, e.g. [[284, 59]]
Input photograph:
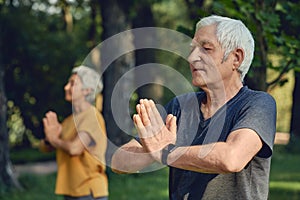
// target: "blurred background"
[[42, 40]]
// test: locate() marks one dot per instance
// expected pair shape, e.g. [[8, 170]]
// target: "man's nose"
[[194, 56]]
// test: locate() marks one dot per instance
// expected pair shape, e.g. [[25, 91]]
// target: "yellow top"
[[83, 174]]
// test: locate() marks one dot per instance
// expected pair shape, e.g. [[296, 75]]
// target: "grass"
[[152, 185], [285, 175], [121, 187], [284, 183], [29, 155], [36, 187]]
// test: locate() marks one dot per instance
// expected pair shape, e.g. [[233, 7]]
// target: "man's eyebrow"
[[202, 42]]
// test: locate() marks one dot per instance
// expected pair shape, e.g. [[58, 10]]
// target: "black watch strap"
[[166, 151]]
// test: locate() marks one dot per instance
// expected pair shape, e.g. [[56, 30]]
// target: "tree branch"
[[284, 70]]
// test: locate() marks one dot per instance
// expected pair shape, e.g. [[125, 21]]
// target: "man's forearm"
[[130, 158], [211, 158]]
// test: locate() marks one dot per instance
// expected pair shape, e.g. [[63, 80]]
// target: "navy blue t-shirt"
[[248, 109]]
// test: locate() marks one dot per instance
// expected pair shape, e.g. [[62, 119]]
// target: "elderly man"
[[218, 143]]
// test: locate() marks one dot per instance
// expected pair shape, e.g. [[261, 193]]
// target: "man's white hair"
[[90, 80], [232, 34]]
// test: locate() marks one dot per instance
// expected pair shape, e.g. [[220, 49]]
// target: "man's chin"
[[198, 83]]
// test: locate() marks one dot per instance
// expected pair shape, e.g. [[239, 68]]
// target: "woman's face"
[[73, 89]]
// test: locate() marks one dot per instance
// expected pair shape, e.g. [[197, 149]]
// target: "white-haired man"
[[218, 143]]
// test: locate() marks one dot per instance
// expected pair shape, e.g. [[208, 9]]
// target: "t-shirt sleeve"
[[259, 114], [93, 124]]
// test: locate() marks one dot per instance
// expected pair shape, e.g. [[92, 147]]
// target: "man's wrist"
[[166, 151]]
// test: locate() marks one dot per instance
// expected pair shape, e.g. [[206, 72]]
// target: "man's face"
[[73, 89], [206, 59]]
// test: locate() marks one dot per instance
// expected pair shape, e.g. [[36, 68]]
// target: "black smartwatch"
[[166, 151]]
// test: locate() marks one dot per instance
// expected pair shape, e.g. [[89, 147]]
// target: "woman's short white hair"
[[90, 80], [232, 34]]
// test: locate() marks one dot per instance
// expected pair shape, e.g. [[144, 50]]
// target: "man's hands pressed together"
[[154, 134]]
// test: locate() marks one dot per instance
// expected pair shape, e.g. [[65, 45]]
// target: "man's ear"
[[239, 56]]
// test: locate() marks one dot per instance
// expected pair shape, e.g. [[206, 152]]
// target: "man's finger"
[[156, 120], [173, 125], [156, 115], [138, 109], [139, 126], [168, 119], [144, 116]]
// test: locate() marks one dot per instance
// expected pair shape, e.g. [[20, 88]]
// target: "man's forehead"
[[206, 35]]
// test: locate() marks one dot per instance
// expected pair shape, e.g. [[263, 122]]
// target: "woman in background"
[[80, 140]]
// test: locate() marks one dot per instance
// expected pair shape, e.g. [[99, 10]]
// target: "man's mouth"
[[196, 69]]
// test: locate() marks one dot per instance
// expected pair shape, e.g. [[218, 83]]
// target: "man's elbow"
[[232, 165], [232, 168]]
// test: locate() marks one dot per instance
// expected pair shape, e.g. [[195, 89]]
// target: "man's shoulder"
[[258, 96], [191, 96], [188, 101]]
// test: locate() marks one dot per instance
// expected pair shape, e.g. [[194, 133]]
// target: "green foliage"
[[38, 57]]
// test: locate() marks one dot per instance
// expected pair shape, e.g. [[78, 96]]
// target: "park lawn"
[[151, 185], [285, 175], [284, 183]]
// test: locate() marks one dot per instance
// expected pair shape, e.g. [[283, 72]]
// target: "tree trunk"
[[92, 34], [68, 18], [114, 21], [7, 177], [295, 125], [144, 18]]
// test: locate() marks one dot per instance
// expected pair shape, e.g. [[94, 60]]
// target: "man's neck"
[[216, 98]]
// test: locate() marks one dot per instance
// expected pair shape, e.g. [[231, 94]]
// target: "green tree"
[[40, 42], [39, 54], [7, 178], [115, 19]]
